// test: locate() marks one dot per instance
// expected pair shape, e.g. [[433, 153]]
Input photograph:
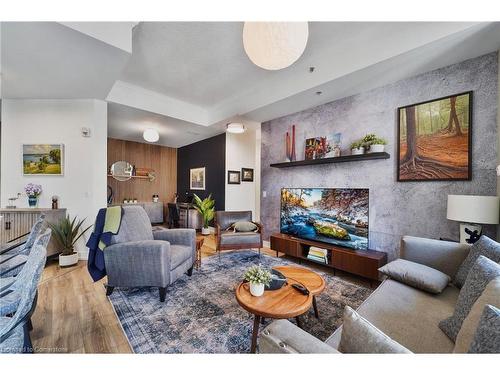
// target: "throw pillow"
[[490, 296], [481, 273], [484, 246], [244, 226], [416, 275], [360, 336], [487, 337]]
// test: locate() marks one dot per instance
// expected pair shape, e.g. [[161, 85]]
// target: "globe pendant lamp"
[[151, 135], [275, 45]]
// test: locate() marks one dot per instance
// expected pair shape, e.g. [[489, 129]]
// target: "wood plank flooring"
[[73, 314]]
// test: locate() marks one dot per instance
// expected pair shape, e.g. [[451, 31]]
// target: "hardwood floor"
[[73, 314]]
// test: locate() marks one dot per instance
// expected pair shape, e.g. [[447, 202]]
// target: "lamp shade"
[[473, 209], [274, 45]]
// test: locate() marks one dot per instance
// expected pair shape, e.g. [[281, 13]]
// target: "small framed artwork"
[[197, 178], [43, 159], [247, 174], [316, 148], [434, 139], [233, 177]]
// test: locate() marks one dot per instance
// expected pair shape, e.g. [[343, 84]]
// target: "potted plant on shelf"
[[258, 278], [374, 143], [206, 208], [66, 234], [33, 191], [357, 148]]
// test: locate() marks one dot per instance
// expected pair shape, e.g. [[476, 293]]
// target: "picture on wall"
[[197, 178], [247, 174], [43, 159], [435, 139], [233, 177]]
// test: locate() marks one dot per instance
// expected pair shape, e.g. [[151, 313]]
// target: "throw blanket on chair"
[[107, 224]]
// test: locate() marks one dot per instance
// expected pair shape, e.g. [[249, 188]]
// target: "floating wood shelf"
[[139, 177], [339, 159]]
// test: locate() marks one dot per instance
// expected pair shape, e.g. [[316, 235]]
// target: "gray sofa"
[[407, 315], [139, 257]]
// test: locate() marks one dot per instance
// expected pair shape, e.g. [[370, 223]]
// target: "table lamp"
[[471, 211]]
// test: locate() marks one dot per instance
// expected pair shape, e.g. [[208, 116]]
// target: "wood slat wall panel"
[[162, 159]]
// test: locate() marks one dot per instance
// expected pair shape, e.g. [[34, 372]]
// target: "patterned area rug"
[[201, 314]]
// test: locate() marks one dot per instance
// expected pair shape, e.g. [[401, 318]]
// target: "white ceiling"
[[190, 78]]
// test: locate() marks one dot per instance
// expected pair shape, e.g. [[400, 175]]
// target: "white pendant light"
[[235, 127], [151, 135], [275, 45]]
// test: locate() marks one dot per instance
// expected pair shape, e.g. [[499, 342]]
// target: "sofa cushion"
[[239, 238], [487, 337], [360, 336], [490, 296], [482, 272], [135, 226], [416, 275], [484, 246], [179, 254], [409, 316]]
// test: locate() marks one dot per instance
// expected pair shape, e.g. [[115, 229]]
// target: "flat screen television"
[[333, 216]]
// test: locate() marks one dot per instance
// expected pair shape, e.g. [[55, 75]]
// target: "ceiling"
[[187, 79]]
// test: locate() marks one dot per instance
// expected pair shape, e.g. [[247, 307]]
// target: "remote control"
[[301, 289]]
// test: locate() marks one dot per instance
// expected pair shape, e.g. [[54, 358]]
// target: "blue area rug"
[[201, 314]]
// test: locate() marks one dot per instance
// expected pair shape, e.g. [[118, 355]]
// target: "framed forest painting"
[[435, 139]]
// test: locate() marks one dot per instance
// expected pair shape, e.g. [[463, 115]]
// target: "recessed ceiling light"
[[151, 135], [235, 127]]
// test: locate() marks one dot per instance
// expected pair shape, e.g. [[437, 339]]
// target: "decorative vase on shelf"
[[33, 201], [376, 148], [358, 151], [256, 289], [293, 157]]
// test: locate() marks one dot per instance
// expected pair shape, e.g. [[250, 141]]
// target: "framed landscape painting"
[[197, 178], [435, 139], [43, 159]]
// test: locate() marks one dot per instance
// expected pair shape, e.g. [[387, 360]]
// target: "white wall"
[[243, 151], [82, 189]]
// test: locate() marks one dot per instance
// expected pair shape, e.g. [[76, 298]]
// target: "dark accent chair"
[[229, 240], [139, 257]]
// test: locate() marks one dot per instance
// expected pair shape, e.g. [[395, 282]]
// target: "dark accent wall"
[[211, 154], [396, 208]]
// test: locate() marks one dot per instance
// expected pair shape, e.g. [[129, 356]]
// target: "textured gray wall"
[[396, 208]]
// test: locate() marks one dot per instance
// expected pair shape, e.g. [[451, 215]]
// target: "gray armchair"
[[229, 240], [139, 257]]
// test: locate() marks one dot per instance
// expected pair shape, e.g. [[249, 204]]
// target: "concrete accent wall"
[[396, 208]]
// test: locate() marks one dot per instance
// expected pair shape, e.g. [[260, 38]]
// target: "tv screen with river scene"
[[335, 216]]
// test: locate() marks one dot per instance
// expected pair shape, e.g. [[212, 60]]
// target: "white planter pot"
[[205, 231], [256, 289], [358, 151], [376, 148], [68, 260]]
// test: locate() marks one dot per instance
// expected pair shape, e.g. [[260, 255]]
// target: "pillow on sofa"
[[487, 337], [244, 226], [484, 246], [490, 296], [416, 275], [481, 273], [360, 336]]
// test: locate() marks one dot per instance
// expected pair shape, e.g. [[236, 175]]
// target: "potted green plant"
[[374, 143], [206, 208], [357, 148], [67, 232], [258, 278]]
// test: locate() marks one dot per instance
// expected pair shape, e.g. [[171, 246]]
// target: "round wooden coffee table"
[[283, 303]]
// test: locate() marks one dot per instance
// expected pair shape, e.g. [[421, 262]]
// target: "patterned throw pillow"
[[487, 337], [484, 246], [482, 272], [244, 226]]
